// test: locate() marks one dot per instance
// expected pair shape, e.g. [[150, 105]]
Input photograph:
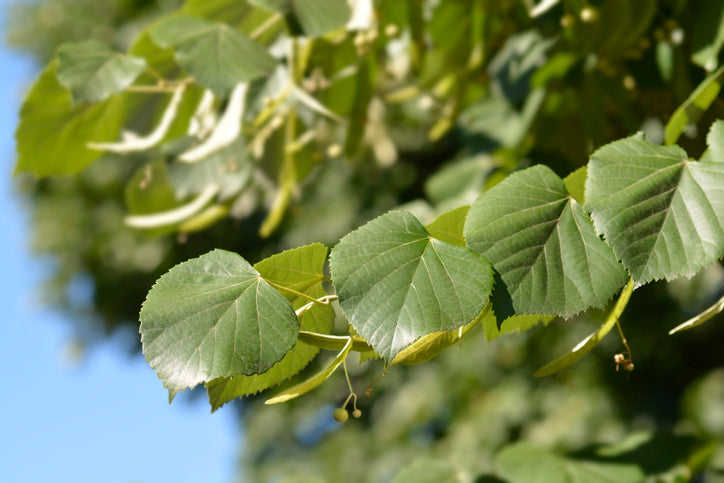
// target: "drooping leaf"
[[709, 34], [314, 17], [661, 212], [429, 471], [541, 243], [448, 227], [300, 269], [52, 133], [523, 462], [314, 381], [397, 284], [218, 56], [430, 346], [93, 71], [585, 346], [214, 316], [515, 324], [700, 318], [694, 106]]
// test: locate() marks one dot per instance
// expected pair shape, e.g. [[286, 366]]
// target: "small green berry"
[[357, 413], [340, 415]]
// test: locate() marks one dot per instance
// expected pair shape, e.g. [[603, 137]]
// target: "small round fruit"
[[567, 21], [357, 413], [340, 415]]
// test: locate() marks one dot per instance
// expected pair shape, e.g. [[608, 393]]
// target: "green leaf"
[[576, 184], [523, 463], [694, 106], [430, 346], [541, 242], [709, 34], [314, 381], [700, 318], [661, 212], [429, 471], [214, 316], [397, 284], [448, 227], [314, 17], [93, 71], [228, 168], [515, 324], [218, 56], [715, 141], [52, 133], [299, 269], [585, 346]]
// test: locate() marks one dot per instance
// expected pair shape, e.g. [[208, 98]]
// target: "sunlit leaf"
[[661, 212], [397, 284], [93, 71], [708, 36], [694, 106], [429, 471], [448, 227], [541, 243], [314, 17], [300, 269], [214, 316], [52, 133]]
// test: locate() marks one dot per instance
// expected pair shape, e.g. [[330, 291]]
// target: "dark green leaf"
[[543, 247], [300, 269], [216, 55], [396, 284], [214, 316], [661, 212], [52, 133], [93, 71]]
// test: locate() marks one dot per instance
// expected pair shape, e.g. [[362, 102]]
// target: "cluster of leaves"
[[246, 103]]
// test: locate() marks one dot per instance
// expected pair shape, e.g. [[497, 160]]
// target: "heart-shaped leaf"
[[661, 212], [93, 71], [300, 269], [214, 316], [312, 17], [216, 55], [397, 284], [541, 242], [53, 133]]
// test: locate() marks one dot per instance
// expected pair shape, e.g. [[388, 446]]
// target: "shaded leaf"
[[661, 212], [214, 316], [93, 71], [523, 462], [314, 17], [429, 471], [218, 56], [52, 133], [396, 284], [541, 243], [300, 269], [430, 346], [585, 346]]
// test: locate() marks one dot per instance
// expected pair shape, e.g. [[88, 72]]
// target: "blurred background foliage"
[[460, 93]]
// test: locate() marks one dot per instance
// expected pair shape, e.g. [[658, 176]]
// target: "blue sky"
[[107, 419]]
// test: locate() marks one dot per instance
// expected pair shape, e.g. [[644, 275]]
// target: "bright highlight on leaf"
[[543, 247], [214, 316], [396, 284], [216, 55], [93, 71], [661, 212]]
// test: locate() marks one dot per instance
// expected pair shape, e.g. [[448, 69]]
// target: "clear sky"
[[106, 420]]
